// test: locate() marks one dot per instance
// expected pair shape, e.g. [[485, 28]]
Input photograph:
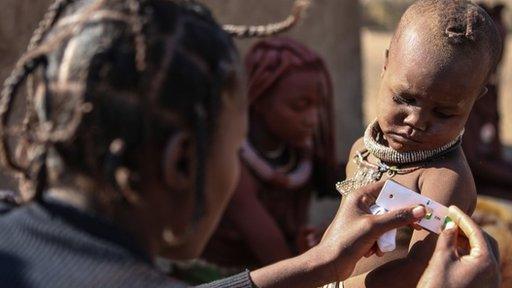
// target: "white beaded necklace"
[[390, 161], [296, 177]]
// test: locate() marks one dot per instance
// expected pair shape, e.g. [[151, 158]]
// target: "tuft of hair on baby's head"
[[456, 28]]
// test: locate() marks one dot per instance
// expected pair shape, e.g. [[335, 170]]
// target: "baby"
[[436, 67]]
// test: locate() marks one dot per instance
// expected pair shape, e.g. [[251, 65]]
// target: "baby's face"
[[425, 98]]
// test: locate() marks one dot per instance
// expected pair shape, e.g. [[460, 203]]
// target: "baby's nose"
[[417, 119]]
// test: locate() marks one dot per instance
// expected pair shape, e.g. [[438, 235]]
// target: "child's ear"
[[386, 60], [179, 163], [483, 92]]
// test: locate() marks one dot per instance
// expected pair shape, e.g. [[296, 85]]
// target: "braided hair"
[[255, 31], [108, 77]]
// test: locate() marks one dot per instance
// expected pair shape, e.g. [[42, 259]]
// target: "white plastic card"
[[394, 196], [386, 242]]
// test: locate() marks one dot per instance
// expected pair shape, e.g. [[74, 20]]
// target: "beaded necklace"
[[390, 162], [296, 177]]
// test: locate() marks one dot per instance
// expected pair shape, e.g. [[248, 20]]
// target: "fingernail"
[[419, 212], [449, 224]]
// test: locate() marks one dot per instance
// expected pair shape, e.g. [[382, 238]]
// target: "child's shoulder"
[[357, 146], [351, 166], [449, 181], [452, 165]]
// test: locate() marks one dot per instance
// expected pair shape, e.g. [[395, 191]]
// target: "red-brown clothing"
[[289, 208]]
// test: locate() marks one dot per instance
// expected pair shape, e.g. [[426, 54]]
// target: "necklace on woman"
[[389, 161], [276, 153], [297, 171]]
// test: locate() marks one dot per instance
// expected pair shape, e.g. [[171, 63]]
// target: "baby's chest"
[[409, 180], [406, 176]]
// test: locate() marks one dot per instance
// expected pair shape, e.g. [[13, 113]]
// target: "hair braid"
[[463, 23], [48, 21], [113, 73], [29, 62], [9, 92], [241, 31], [137, 25]]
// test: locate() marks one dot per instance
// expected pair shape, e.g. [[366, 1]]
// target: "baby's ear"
[[386, 60]]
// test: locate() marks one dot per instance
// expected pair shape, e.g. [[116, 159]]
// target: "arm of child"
[[255, 224], [449, 183], [368, 264]]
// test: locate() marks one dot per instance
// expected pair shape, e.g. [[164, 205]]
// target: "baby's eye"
[[403, 100], [443, 115]]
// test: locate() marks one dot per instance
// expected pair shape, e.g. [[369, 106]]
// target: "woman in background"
[[289, 154]]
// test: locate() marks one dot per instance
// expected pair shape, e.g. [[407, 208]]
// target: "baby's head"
[[437, 66]]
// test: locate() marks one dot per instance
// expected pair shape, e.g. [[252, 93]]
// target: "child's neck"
[[374, 144]]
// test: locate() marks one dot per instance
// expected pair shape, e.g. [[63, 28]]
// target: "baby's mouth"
[[402, 139]]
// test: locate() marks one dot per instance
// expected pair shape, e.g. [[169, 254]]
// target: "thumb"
[[398, 218]]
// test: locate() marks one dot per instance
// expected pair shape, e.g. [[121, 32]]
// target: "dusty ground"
[[374, 45]]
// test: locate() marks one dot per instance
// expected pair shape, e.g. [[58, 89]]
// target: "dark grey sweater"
[[47, 244]]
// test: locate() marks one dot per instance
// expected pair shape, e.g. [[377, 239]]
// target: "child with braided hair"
[[437, 66]]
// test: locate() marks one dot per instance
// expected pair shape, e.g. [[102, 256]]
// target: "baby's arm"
[[449, 183], [255, 224]]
